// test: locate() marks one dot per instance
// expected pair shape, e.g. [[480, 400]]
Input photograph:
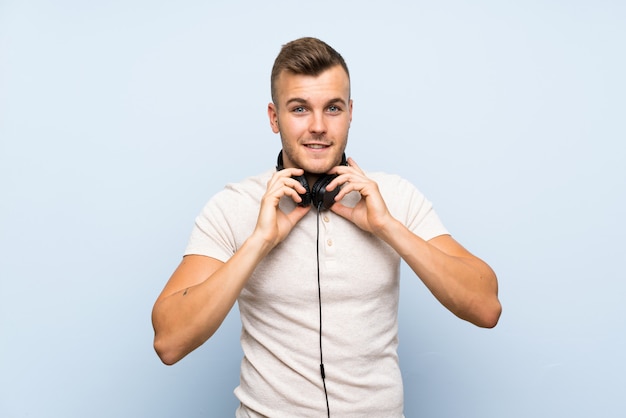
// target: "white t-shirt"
[[279, 306]]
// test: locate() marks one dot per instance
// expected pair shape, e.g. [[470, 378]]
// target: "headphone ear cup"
[[320, 197], [306, 196], [317, 195]]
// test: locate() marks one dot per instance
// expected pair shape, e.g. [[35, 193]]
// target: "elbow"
[[488, 308], [490, 315], [167, 352], [173, 347], [166, 343], [482, 313]]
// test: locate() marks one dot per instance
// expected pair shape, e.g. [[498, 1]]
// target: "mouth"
[[317, 146]]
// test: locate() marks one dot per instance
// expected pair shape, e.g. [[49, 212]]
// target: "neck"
[[311, 178]]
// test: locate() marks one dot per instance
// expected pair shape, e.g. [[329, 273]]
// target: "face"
[[312, 115]]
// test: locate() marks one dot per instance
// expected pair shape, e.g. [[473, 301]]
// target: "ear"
[[272, 113], [350, 110]]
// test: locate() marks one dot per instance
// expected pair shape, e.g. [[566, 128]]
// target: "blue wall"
[[118, 120]]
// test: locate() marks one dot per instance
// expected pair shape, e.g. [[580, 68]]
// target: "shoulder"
[[250, 184], [237, 200], [228, 218], [393, 185], [408, 204], [248, 190]]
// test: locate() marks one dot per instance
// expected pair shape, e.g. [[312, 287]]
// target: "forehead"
[[333, 82]]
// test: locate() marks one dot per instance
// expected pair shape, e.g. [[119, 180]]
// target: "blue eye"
[[334, 109]]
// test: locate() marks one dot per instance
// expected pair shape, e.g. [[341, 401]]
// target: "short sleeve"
[[211, 234], [227, 220], [410, 206]]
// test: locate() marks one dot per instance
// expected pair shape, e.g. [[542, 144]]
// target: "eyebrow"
[[304, 101]]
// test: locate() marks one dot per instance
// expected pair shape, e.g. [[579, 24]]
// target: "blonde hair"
[[305, 56]]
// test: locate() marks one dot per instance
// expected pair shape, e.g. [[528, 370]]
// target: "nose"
[[318, 124]]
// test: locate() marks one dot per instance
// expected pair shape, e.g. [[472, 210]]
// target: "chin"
[[321, 168], [311, 163]]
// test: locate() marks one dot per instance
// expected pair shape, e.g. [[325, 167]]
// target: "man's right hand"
[[273, 225]]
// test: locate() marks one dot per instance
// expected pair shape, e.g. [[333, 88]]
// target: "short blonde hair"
[[305, 56]]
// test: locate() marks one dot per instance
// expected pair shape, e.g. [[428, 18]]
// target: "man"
[[317, 284]]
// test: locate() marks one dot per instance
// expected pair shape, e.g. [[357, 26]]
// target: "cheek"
[[292, 127], [342, 126]]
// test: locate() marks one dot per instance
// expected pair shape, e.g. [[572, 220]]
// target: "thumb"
[[297, 214]]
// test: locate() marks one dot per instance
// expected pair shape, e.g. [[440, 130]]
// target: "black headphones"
[[316, 195]]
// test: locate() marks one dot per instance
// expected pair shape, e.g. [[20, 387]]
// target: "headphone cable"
[[319, 295]]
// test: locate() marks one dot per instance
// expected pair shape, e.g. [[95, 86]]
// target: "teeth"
[[316, 146]]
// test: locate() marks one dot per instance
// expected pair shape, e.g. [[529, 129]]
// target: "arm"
[[202, 290], [463, 283]]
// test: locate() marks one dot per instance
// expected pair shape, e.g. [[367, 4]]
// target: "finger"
[[279, 177], [353, 164], [341, 169], [278, 182], [288, 190], [287, 173], [348, 187], [348, 182]]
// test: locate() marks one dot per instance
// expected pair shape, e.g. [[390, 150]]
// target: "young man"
[[316, 271]]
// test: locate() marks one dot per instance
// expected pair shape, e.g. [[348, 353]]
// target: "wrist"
[[259, 244], [390, 230]]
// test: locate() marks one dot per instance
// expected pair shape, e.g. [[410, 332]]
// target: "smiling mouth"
[[317, 146]]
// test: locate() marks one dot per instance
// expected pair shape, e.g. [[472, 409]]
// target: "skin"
[[312, 114]]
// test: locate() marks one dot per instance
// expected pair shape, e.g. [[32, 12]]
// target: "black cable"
[[319, 295]]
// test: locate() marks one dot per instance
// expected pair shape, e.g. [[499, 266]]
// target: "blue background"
[[119, 119]]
